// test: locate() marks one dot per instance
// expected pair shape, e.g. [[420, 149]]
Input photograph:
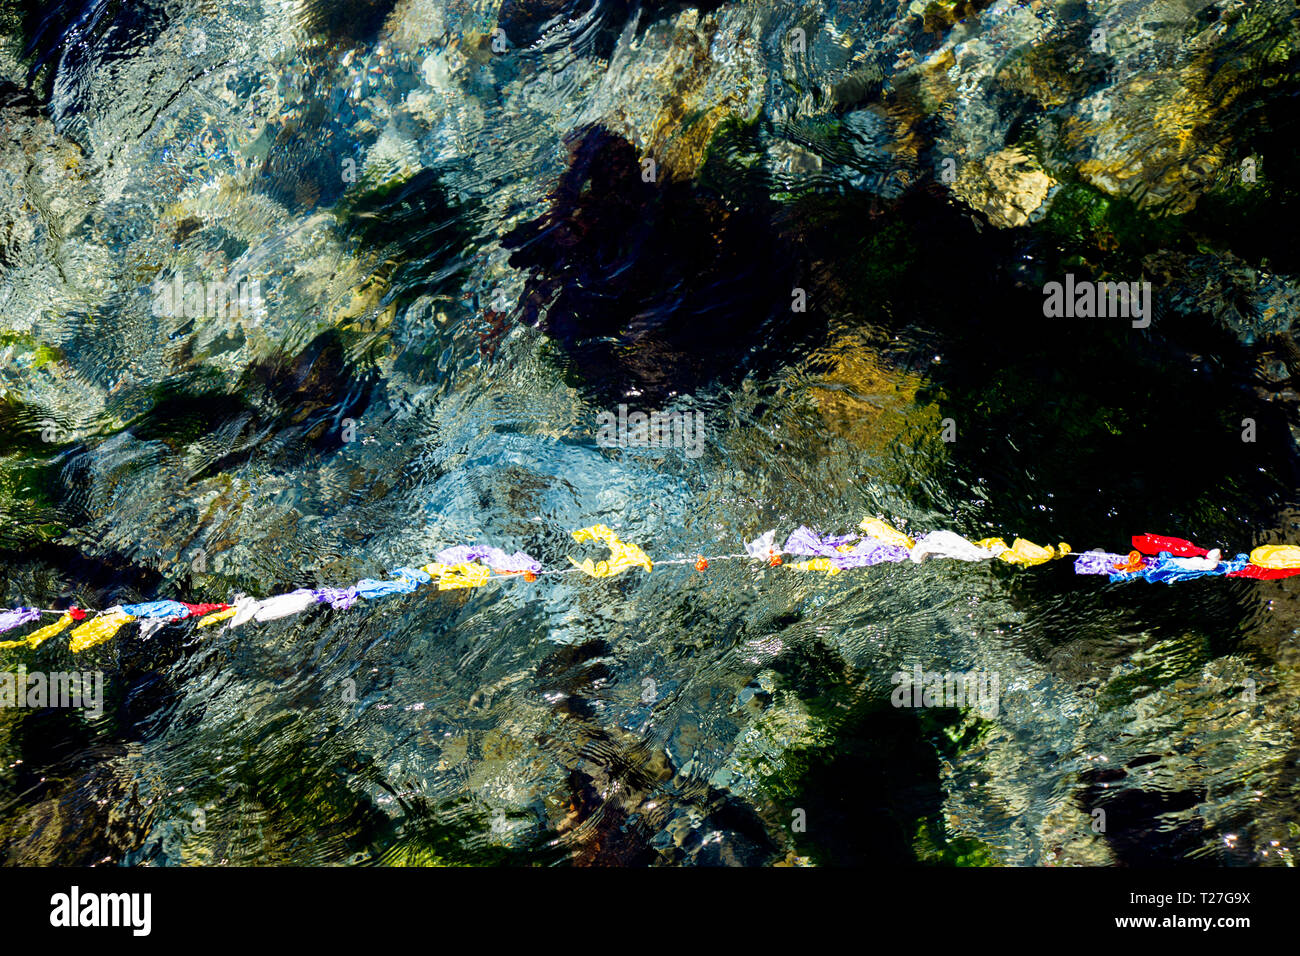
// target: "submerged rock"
[[1007, 187], [654, 288]]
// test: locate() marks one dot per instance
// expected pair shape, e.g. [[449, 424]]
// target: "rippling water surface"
[[464, 257]]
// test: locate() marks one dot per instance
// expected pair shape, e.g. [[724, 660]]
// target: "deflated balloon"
[[1178, 547], [1263, 574], [622, 555], [886, 533], [1276, 557], [97, 630]]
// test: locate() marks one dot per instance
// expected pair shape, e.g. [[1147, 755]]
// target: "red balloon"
[[1155, 543], [1262, 574], [197, 609]]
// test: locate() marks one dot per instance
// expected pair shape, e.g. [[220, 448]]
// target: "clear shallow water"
[[439, 335]]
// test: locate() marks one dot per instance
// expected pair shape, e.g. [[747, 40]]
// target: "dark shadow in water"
[[353, 22], [652, 288], [621, 791], [1139, 824], [415, 224], [523, 20], [66, 35], [865, 796], [304, 166], [297, 402]]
